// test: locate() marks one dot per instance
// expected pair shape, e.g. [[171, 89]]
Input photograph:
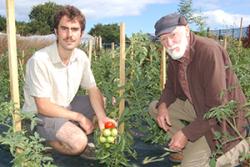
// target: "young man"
[[53, 77], [199, 71]]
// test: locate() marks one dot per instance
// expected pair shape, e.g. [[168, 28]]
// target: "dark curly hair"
[[72, 13]]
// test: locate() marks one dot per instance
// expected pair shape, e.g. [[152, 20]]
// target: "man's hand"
[[178, 141], [162, 118], [86, 124], [102, 122]]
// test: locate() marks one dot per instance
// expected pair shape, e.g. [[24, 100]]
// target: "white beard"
[[181, 48]]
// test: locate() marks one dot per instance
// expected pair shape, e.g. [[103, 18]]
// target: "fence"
[[233, 32]]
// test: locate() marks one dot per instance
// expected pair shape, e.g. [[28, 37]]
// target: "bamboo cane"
[[163, 68], [90, 50], [122, 73], [113, 50], [13, 67], [241, 20]]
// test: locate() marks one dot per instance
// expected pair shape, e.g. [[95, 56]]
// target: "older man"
[[199, 71]]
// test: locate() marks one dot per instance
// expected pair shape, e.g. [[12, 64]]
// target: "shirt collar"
[[55, 58]]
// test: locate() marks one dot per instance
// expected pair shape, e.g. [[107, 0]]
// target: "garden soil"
[[143, 150]]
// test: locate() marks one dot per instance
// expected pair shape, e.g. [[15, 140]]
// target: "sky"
[[141, 15]]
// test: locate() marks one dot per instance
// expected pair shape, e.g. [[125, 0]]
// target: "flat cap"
[[168, 23]]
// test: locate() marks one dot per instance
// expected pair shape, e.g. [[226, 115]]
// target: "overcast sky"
[[141, 15]]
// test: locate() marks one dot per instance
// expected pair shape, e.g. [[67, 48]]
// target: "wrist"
[[78, 117], [100, 115]]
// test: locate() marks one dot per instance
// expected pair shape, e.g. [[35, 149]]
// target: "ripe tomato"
[[109, 125]]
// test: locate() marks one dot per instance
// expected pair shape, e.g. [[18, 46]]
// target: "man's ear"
[[187, 29], [82, 33], [55, 31]]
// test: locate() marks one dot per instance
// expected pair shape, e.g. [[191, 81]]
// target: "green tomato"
[[114, 132], [106, 132], [110, 139], [102, 139], [107, 145]]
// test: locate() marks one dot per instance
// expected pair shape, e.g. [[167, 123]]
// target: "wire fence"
[[233, 32]]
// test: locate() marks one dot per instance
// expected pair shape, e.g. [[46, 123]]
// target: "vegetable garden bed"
[[143, 150]]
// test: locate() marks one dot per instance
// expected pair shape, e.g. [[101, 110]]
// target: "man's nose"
[[69, 32], [168, 42]]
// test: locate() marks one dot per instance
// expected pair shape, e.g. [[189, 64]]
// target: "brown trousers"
[[196, 154]]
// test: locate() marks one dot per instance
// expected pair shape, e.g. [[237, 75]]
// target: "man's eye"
[[173, 35], [64, 28], [75, 29]]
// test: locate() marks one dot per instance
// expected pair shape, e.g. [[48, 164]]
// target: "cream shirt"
[[47, 76]]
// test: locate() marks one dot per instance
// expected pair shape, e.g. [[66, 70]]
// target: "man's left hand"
[[104, 120]]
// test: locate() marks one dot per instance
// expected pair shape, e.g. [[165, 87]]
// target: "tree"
[[22, 28], [109, 32], [2, 24], [42, 18], [185, 9]]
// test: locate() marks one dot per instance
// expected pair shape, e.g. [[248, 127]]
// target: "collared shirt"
[[48, 77]]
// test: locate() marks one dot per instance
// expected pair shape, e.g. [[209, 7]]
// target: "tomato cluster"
[[108, 134]]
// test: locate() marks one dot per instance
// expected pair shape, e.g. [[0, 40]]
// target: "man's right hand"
[[162, 118], [86, 124]]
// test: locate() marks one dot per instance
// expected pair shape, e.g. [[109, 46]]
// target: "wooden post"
[[122, 72], [90, 50], [163, 68], [241, 20], [14, 88], [96, 43], [225, 42], [113, 50], [100, 42]]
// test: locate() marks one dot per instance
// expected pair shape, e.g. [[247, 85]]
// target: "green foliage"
[[27, 149], [42, 18], [155, 134], [38, 27], [22, 28], [118, 153], [30, 144], [225, 113], [143, 74], [186, 9], [142, 84], [2, 24], [240, 60], [108, 32], [5, 81], [222, 112]]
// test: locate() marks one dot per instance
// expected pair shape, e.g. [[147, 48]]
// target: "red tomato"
[[109, 125]]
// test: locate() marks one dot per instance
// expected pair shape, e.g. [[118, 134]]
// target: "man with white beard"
[[199, 71]]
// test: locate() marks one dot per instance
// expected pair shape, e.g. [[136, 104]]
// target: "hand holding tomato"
[[109, 134]]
